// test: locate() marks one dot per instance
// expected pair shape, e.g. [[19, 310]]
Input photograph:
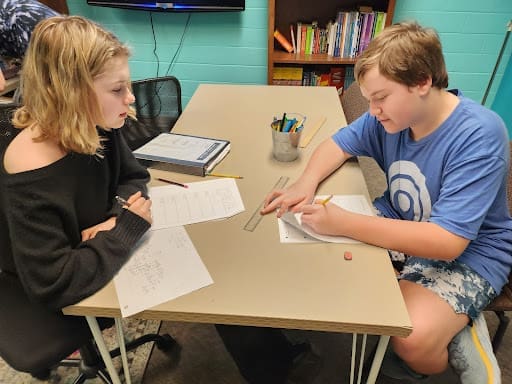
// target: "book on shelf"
[[349, 77], [303, 31], [337, 79], [366, 31], [283, 41], [287, 76], [322, 76], [292, 34], [345, 36], [299, 37], [194, 155], [379, 23]]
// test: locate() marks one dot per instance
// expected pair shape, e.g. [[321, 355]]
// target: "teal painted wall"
[[471, 32], [232, 47], [503, 101], [225, 47]]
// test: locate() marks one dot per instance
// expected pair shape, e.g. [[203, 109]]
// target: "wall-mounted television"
[[174, 6]]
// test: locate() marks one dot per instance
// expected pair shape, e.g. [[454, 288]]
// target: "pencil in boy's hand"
[[326, 200], [173, 182]]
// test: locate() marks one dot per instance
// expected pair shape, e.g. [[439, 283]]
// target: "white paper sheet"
[[291, 229], [164, 265], [201, 201]]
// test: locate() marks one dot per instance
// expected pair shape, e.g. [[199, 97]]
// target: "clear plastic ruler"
[[256, 216]]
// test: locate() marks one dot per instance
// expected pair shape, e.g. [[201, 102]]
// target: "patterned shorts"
[[462, 288]]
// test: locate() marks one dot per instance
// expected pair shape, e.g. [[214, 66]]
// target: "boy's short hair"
[[65, 56], [406, 53]]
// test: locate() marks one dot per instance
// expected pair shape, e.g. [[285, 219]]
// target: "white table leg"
[[377, 360], [353, 357], [361, 358], [105, 354], [122, 348]]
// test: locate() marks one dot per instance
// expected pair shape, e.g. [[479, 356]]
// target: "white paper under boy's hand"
[[353, 203], [294, 219]]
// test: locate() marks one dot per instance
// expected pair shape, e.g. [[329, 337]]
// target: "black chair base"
[[90, 364], [504, 320]]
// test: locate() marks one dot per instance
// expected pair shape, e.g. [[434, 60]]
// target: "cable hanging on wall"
[[502, 50]]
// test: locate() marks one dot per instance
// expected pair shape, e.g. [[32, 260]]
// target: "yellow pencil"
[[326, 200], [224, 175]]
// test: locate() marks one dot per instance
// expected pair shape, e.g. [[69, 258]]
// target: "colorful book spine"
[[292, 34], [299, 37], [309, 33], [283, 41], [303, 38]]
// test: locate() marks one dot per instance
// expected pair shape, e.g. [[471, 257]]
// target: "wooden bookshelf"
[[283, 13], [60, 6]]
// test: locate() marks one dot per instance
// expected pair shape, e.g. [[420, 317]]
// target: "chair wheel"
[[42, 375], [165, 343]]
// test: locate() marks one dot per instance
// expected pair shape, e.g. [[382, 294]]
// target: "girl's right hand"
[[140, 206]]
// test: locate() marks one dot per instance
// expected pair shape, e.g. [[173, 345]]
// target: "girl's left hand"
[[91, 232]]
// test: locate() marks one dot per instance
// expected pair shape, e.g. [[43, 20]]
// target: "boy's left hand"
[[323, 219]]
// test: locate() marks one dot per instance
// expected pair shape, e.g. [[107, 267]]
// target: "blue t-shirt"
[[455, 177]]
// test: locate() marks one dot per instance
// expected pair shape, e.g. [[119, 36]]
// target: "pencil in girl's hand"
[[122, 202]]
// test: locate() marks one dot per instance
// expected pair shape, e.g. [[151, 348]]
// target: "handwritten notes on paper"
[[201, 201], [291, 229], [164, 265]]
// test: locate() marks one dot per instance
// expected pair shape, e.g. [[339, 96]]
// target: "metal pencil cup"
[[284, 145]]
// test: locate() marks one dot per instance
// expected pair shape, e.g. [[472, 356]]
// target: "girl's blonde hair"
[[407, 54], [65, 55]]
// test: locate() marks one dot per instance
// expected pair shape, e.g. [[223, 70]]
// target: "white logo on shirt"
[[408, 191]]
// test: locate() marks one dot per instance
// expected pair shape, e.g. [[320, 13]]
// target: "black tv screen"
[[174, 6]]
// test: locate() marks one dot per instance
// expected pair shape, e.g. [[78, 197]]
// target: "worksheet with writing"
[[291, 229], [164, 265], [202, 201]]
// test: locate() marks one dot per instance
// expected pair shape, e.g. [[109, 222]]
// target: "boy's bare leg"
[[435, 324]]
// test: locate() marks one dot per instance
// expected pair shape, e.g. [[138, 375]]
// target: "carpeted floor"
[[138, 359]]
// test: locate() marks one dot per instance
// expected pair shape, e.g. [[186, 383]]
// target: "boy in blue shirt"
[[444, 214]]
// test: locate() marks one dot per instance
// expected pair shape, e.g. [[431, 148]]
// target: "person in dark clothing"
[[265, 355], [18, 19], [64, 236]]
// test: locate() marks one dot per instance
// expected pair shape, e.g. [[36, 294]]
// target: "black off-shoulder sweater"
[[42, 214]]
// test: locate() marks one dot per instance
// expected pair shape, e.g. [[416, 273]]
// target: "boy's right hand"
[[291, 198], [140, 206]]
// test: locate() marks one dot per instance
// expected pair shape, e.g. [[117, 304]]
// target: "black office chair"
[[354, 105], [158, 106], [34, 339], [502, 305]]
